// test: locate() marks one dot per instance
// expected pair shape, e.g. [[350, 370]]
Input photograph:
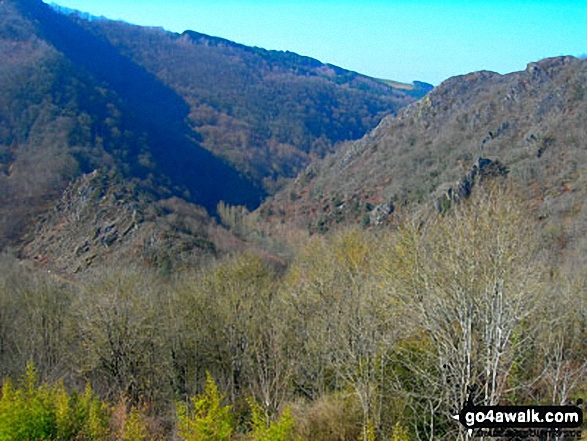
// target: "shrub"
[[207, 419], [134, 427], [265, 430], [32, 411], [27, 411]]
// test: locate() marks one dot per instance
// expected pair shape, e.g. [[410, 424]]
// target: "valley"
[[201, 240]]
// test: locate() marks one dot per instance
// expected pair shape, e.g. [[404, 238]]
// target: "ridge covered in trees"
[[188, 116], [531, 122]]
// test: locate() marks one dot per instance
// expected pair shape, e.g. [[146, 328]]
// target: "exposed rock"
[[483, 169], [533, 121], [378, 215], [100, 218]]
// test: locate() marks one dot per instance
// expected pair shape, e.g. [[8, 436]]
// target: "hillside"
[[59, 120], [186, 116], [266, 112], [532, 122], [452, 269]]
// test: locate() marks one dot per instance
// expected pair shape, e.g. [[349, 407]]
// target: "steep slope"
[[165, 113], [532, 122], [266, 112], [38, 88], [100, 218], [70, 104], [150, 106]]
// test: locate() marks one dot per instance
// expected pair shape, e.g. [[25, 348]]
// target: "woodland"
[[205, 241], [359, 335]]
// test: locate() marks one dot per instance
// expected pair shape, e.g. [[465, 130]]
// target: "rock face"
[[100, 217], [482, 170], [378, 215], [530, 124]]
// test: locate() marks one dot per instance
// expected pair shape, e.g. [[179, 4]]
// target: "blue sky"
[[402, 40]]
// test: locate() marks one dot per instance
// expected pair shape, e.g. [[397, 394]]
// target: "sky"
[[403, 40]]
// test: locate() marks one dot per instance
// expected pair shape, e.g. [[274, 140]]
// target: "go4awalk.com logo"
[[522, 421]]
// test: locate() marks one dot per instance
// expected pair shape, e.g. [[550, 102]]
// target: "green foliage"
[[369, 431], [264, 430], [33, 411], [400, 433], [95, 415], [28, 411], [134, 427], [373, 331], [359, 336], [206, 419]]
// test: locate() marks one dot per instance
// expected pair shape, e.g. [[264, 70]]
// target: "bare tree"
[[120, 333], [346, 323], [562, 342], [34, 313], [472, 278]]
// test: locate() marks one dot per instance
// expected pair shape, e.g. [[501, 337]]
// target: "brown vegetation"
[[368, 332], [364, 334], [531, 122]]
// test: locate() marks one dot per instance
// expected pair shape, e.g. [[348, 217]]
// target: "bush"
[[334, 417], [134, 428], [264, 430], [31, 411], [207, 419]]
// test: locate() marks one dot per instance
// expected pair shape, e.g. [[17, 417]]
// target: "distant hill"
[[531, 122], [266, 112], [184, 116]]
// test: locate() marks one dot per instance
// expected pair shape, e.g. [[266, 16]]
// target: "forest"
[[360, 334], [401, 257]]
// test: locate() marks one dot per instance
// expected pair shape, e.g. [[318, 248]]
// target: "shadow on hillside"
[[159, 111]]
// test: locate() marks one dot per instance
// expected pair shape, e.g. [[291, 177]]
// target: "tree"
[[263, 430], [228, 319], [344, 322], [34, 410], [562, 343], [34, 315], [120, 334], [206, 419], [472, 278]]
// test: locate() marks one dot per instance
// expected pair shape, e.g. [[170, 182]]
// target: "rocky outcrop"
[[482, 170], [533, 121], [381, 211], [101, 218]]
